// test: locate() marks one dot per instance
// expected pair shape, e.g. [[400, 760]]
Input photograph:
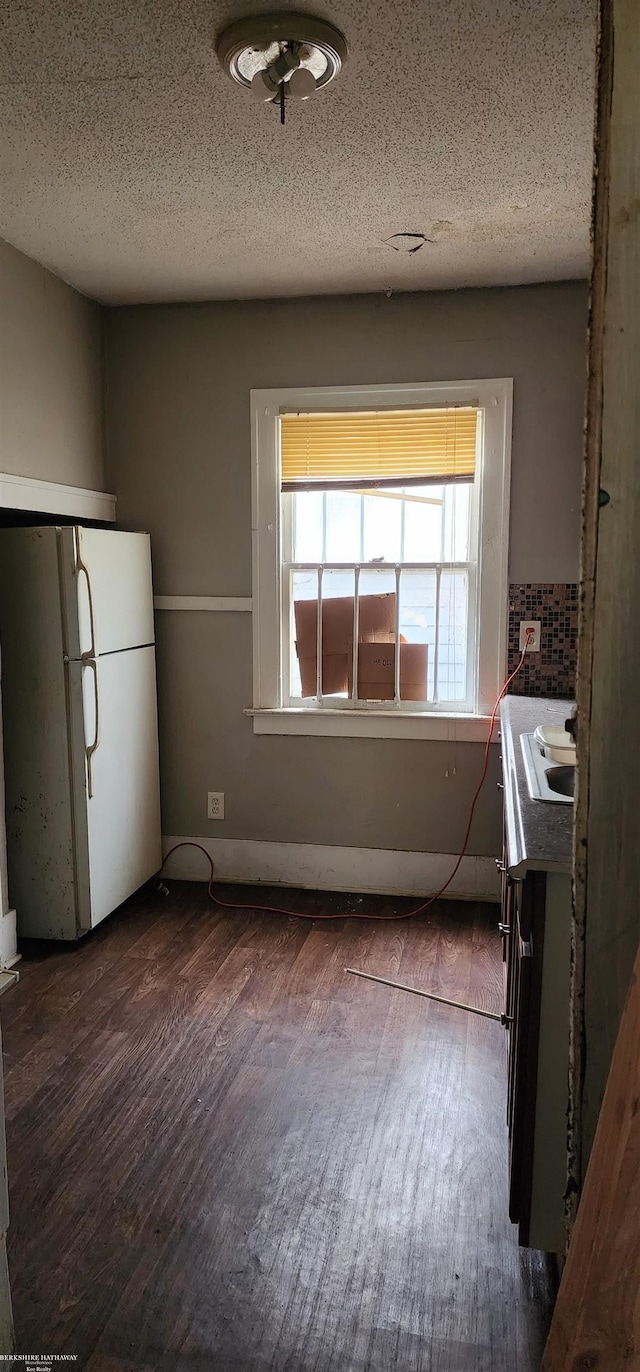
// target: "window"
[[380, 518]]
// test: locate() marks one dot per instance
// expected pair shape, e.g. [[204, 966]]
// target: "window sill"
[[326, 723]]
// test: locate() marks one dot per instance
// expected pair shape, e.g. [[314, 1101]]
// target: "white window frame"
[[494, 399]]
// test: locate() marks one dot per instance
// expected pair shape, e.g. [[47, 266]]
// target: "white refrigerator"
[[80, 724]]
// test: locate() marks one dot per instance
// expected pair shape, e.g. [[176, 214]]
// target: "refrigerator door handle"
[[81, 567], [91, 747]]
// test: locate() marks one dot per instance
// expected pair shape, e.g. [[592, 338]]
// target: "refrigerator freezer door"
[[107, 592], [115, 756]]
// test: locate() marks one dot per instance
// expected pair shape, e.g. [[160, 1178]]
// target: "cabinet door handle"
[[500, 865], [503, 929], [500, 785]]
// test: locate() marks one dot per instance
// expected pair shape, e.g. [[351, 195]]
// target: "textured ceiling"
[[135, 169]]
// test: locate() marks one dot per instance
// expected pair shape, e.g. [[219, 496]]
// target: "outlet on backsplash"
[[529, 635]]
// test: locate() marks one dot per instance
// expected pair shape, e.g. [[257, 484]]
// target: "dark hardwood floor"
[[227, 1155]]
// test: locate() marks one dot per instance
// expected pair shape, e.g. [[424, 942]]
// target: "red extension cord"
[[361, 914]]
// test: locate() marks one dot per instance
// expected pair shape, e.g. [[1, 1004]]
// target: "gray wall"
[[50, 377], [178, 381]]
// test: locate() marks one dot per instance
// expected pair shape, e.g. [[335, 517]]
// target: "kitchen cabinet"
[[535, 925], [524, 937]]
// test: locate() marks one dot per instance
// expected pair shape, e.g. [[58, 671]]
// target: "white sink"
[[546, 780]]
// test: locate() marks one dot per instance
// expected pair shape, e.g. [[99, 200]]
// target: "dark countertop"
[[539, 834]]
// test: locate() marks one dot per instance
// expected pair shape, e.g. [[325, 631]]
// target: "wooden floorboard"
[[227, 1154]]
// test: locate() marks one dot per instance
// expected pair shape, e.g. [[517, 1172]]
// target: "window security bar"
[[436, 645], [356, 626], [396, 635], [319, 691], [397, 571]]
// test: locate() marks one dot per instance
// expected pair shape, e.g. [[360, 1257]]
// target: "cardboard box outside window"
[[376, 625], [377, 671]]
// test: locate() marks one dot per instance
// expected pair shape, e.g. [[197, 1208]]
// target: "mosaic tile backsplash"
[[552, 671]]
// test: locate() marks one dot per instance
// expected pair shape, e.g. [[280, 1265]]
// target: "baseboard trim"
[[374, 871]]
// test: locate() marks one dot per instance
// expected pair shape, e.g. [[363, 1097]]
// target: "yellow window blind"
[[378, 448]]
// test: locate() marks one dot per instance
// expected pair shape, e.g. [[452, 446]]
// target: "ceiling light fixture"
[[281, 56]]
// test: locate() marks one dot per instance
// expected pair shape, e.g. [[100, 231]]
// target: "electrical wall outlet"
[[533, 646], [215, 804]]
